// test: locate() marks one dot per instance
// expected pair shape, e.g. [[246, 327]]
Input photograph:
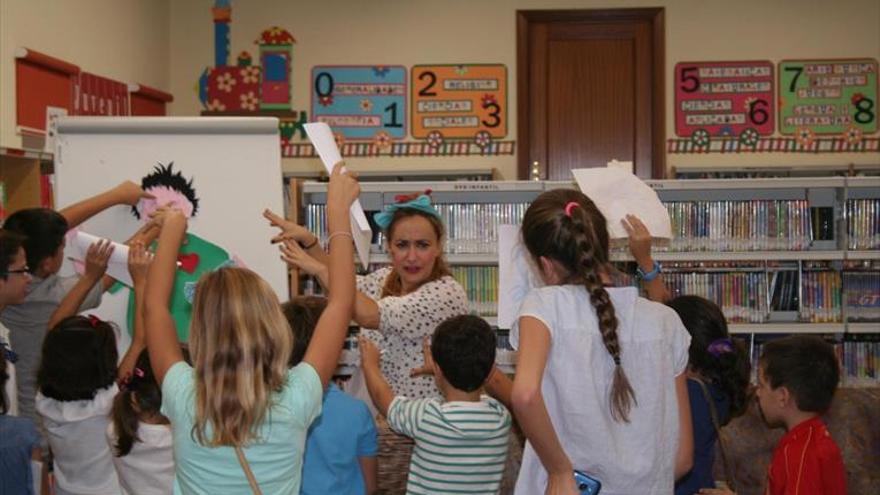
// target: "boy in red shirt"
[[797, 377]]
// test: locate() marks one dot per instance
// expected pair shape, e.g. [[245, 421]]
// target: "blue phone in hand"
[[586, 484]]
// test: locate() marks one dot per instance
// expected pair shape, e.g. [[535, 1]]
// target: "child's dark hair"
[[165, 176], [804, 364], [713, 354], [464, 348], [143, 390], [10, 243], [302, 313], [79, 359], [565, 226], [43, 230]]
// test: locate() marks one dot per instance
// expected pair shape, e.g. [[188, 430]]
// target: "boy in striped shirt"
[[460, 442]]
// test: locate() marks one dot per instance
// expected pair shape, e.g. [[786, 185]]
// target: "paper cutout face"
[[169, 188]]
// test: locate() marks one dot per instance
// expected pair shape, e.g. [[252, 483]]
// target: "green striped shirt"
[[460, 447]]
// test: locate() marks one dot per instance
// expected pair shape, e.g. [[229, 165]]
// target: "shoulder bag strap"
[[714, 414], [247, 471]]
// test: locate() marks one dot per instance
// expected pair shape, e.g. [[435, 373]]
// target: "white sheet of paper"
[[516, 274], [618, 193], [117, 266], [322, 139]]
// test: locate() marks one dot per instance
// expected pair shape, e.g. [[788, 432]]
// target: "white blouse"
[[404, 321]]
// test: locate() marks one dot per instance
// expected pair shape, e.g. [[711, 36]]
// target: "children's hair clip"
[[719, 347], [94, 320], [138, 372]]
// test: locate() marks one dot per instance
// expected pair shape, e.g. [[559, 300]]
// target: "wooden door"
[[589, 90]]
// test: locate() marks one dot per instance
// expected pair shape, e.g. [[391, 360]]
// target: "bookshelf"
[[780, 255]]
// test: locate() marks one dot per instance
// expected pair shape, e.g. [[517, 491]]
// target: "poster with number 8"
[[731, 99], [828, 97], [466, 101], [361, 103]]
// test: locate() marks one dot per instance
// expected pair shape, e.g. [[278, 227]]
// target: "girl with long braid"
[[600, 383]]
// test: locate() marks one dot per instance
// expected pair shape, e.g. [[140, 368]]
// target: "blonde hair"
[[240, 344]]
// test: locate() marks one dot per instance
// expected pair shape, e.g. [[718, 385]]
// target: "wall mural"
[[369, 107]]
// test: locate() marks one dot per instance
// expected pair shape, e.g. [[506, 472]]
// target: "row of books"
[[821, 297], [863, 223], [742, 296], [861, 293], [696, 225], [740, 225], [859, 358], [481, 285]]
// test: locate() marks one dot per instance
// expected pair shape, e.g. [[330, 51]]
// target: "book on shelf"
[[863, 223]]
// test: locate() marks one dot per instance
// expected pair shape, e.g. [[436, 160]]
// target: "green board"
[[828, 96]]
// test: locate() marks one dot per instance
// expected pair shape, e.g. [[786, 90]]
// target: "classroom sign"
[[828, 96], [733, 99], [361, 103], [459, 102]]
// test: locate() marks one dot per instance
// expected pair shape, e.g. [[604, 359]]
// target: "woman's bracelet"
[[338, 232], [310, 246]]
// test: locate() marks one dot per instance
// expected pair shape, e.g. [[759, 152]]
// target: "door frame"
[[524, 18]]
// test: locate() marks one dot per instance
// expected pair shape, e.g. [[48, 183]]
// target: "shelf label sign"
[[724, 99], [828, 96]]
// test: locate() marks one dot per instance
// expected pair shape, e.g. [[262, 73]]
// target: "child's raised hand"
[[639, 239], [97, 257], [427, 368], [343, 188], [130, 193], [370, 355], [139, 260]]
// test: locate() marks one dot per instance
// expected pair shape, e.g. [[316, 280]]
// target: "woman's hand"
[[296, 257], [97, 257], [343, 188], [639, 241], [289, 229], [139, 260], [561, 484]]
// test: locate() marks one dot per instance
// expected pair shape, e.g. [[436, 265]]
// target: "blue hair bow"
[[422, 203]]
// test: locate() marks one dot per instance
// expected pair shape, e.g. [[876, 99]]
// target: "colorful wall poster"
[[733, 98], [828, 97], [466, 101], [362, 103]]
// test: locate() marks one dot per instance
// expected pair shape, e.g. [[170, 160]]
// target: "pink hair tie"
[[570, 206]]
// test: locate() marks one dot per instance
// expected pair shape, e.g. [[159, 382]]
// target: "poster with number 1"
[[361, 102]]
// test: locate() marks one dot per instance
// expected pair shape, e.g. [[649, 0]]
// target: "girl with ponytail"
[[600, 382], [718, 371]]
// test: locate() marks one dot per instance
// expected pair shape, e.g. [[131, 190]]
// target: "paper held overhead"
[[618, 193], [117, 265], [322, 139]]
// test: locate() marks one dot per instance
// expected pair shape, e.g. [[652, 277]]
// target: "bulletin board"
[[459, 101], [361, 103], [828, 96], [727, 99]]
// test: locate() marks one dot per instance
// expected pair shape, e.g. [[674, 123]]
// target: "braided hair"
[[565, 226]]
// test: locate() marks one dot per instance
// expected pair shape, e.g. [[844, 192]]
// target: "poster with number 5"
[[726, 99]]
